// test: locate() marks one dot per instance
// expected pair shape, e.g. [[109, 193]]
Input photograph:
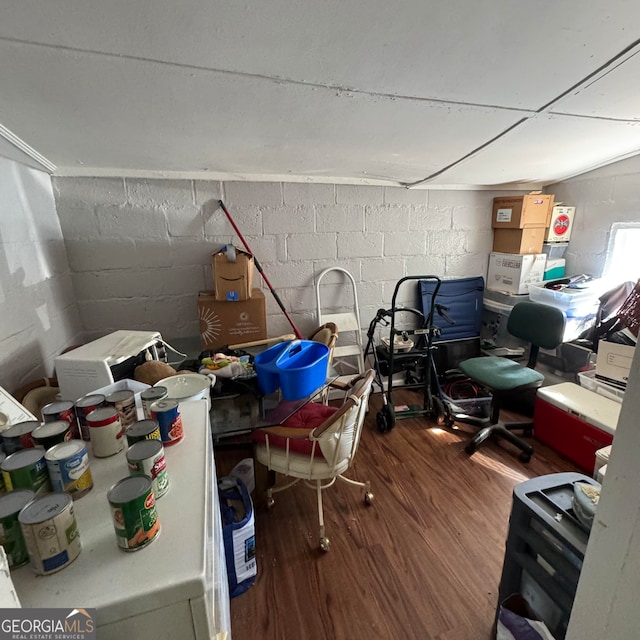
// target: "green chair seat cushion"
[[500, 374]]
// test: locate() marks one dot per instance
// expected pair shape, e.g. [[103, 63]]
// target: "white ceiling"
[[457, 93]]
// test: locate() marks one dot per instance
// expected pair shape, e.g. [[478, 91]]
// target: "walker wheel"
[[325, 544], [437, 411], [386, 418], [270, 503], [525, 456], [471, 448], [368, 498]]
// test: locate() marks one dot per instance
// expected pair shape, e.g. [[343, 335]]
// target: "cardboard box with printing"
[[613, 362], [514, 273], [232, 274], [223, 323], [521, 212]]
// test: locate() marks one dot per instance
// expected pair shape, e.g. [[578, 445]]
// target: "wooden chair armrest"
[[288, 432]]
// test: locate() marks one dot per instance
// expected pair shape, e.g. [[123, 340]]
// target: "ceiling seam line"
[[591, 75], [273, 79], [409, 185]]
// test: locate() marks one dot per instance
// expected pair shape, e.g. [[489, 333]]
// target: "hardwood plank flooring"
[[422, 562]]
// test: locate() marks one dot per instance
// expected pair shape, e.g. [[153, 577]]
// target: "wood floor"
[[422, 562]]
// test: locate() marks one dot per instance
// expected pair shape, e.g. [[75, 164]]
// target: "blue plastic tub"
[[298, 367]]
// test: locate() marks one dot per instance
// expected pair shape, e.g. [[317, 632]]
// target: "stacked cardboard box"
[[519, 229], [234, 312]]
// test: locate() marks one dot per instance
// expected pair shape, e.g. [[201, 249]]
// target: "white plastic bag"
[[516, 621]]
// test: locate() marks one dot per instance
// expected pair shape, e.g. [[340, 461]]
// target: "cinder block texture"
[[148, 249]]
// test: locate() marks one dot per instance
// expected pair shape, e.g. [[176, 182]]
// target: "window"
[[622, 261]]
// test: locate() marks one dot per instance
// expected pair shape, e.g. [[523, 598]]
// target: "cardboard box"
[[232, 274], [223, 323], [614, 362], [520, 212], [528, 240], [560, 224], [513, 273]]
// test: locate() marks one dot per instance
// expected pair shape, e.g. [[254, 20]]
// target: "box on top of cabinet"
[[514, 273], [520, 212]]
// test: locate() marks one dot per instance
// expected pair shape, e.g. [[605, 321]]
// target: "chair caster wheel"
[[524, 457], [270, 503], [324, 544], [368, 498]]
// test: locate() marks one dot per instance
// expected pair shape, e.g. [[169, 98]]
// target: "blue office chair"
[[538, 324]]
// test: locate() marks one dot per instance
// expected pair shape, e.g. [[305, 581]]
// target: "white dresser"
[[176, 587]]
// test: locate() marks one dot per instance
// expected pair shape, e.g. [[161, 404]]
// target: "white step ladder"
[[347, 322]]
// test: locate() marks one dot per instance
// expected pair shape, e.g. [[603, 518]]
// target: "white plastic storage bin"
[[589, 381], [574, 302]]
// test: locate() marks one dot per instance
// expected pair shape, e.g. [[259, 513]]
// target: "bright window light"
[[622, 263]]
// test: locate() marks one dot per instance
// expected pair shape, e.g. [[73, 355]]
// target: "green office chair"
[[541, 326]]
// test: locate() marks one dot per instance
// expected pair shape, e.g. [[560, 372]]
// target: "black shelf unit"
[[545, 548]]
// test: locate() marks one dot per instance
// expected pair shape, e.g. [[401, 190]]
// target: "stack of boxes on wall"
[[530, 236], [234, 312]]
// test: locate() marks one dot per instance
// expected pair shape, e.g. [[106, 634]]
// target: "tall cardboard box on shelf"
[[522, 212], [223, 322], [232, 274], [513, 273]]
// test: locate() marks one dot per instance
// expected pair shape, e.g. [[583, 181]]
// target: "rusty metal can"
[[49, 434], [146, 458], [26, 469], [142, 430], [167, 414], [133, 508], [61, 410], [149, 396], [125, 402], [83, 407], [107, 432], [18, 436], [11, 537], [68, 464], [51, 533]]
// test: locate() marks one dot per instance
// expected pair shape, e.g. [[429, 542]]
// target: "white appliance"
[[176, 587], [105, 361]]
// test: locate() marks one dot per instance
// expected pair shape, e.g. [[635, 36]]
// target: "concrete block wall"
[[140, 249], [601, 197], [38, 310]]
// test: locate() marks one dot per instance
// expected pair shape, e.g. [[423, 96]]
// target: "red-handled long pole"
[[262, 273]]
